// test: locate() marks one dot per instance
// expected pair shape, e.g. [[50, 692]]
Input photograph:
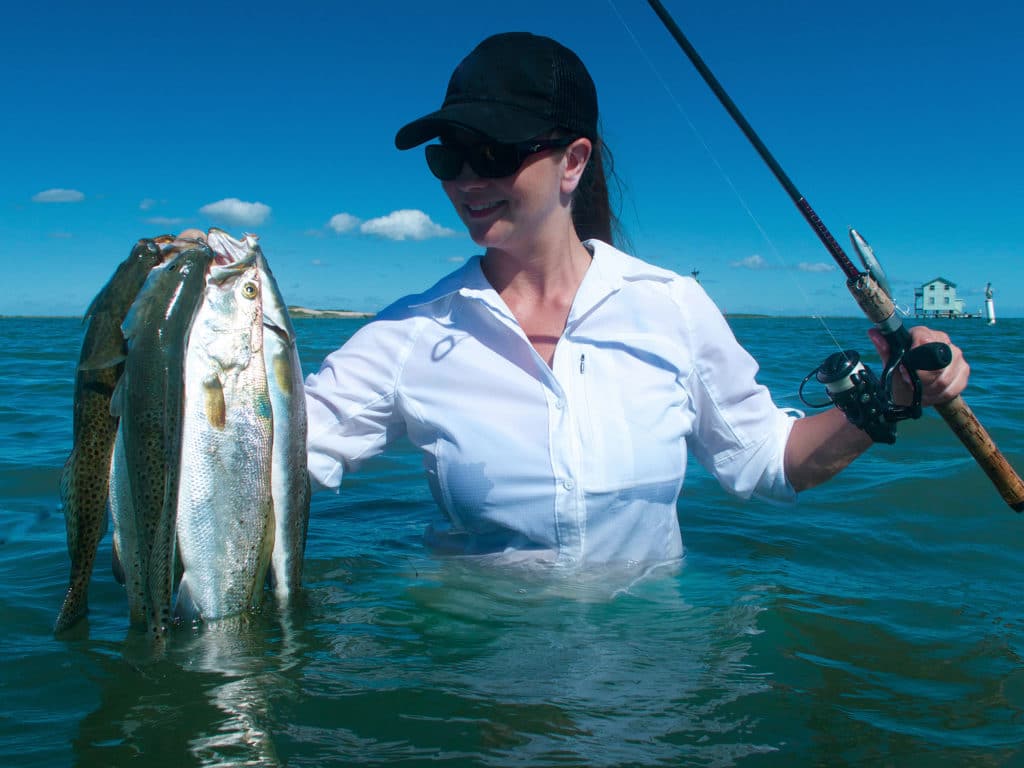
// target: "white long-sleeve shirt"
[[579, 462]]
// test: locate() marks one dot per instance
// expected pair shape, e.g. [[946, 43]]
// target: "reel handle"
[[933, 356]]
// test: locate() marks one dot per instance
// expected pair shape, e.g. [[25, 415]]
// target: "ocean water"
[[879, 622]]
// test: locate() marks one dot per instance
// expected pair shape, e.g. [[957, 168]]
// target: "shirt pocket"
[[634, 418]]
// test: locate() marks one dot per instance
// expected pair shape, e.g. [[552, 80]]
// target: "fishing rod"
[[870, 290]]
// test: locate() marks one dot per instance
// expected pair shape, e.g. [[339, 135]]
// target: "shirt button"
[[568, 484]]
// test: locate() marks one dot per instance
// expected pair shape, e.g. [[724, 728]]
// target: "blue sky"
[[902, 119]]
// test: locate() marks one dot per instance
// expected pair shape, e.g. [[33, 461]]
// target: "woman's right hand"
[[192, 234]]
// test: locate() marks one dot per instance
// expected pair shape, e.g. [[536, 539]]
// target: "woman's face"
[[506, 212]]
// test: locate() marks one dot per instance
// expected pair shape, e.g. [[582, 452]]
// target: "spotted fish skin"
[[84, 479], [149, 401]]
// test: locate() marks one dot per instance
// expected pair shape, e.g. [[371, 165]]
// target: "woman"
[[554, 384]]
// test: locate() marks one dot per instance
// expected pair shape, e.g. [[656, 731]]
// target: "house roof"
[[940, 280]]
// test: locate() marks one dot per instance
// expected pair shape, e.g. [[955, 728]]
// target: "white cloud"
[[147, 203], [58, 196], [343, 222], [231, 210], [405, 225], [819, 266], [757, 261]]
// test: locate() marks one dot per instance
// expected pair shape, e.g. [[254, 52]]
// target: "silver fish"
[[289, 474], [149, 401], [225, 520], [84, 480]]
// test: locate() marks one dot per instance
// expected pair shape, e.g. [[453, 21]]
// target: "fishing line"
[[869, 290], [728, 179]]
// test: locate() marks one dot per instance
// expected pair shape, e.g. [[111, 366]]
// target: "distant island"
[[307, 312]]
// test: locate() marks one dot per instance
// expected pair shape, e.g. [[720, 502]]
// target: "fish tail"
[[74, 608], [186, 608], [82, 543], [161, 569]]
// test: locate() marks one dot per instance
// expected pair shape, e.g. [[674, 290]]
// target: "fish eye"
[[249, 290]]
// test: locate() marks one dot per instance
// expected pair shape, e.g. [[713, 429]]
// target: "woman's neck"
[[541, 270], [539, 284]]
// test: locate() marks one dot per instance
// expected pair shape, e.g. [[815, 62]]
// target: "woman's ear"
[[577, 155]]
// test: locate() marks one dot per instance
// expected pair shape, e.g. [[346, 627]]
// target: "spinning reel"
[[855, 390], [865, 398]]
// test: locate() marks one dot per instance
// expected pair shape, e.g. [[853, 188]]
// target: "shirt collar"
[[608, 272]]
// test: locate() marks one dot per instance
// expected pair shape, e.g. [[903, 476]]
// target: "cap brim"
[[500, 122]]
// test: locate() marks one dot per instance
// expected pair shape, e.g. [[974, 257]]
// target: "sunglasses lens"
[[491, 160], [495, 161], [445, 160]]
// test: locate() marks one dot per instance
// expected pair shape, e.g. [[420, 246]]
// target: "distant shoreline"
[[302, 312]]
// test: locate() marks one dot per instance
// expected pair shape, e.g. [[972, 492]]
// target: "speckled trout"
[[149, 401], [84, 480], [244, 494]]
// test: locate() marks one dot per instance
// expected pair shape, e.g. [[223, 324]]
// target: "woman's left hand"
[[937, 386]]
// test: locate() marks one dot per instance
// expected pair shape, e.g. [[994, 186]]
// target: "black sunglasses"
[[489, 160]]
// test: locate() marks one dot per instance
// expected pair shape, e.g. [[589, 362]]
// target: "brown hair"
[[591, 209]]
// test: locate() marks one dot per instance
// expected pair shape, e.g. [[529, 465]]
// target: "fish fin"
[[102, 362], [185, 607], [117, 397], [107, 353], [281, 365], [216, 408], [136, 316]]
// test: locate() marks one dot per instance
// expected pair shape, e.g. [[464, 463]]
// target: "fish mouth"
[[230, 255]]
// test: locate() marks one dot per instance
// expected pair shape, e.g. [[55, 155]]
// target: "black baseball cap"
[[512, 88]]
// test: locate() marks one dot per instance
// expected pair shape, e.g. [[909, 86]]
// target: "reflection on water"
[[455, 662], [208, 702]]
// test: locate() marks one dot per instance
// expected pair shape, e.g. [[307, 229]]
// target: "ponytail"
[[591, 210]]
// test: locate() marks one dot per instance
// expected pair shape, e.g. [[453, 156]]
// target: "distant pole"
[[990, 305]]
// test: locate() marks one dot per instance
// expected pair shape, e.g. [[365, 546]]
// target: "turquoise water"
[[877, 623]]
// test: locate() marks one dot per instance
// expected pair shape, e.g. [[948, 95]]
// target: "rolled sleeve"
[[350, 403], [739, 433]]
